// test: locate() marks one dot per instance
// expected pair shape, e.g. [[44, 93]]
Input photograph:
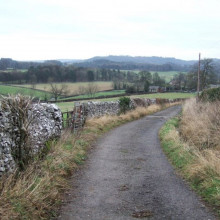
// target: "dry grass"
[[109, 121], [73, 88], [195, 150], [200, 124], [37, 192]]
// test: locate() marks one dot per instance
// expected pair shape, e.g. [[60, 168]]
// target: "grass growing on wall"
[[36, 193]]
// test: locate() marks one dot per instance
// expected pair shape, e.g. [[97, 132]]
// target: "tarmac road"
[[127, 176]]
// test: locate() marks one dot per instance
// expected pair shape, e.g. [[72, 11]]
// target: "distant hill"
[[153, 63], [134, 63], [149, 60], [8, 63]]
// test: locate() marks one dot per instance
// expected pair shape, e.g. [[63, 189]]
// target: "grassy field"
[[98, 94], [169, 95], [16, 70], [67, 106], [13, 90], [167, 75], [73, 88]]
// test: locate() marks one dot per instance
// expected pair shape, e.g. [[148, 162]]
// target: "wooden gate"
[[74, 119]]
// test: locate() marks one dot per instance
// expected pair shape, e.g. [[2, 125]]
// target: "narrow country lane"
[[127, 176]]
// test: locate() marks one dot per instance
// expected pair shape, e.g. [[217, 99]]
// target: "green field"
[[170, 95], [98, 94], [13, 90], [167, 75], [67, 106], [15, 70]]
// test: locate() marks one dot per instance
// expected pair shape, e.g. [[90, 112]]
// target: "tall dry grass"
[[113, 120], [200, 124], [195, 145]]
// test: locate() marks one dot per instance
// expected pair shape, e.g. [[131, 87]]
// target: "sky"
[[81, 29]]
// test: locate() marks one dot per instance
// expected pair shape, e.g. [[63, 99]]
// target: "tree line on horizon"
[[129, 80]]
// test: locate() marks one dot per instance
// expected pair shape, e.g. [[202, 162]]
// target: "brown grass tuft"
[[200, 124]]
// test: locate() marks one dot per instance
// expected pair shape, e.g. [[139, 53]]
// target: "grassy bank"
[[196, 152], [37, 192]]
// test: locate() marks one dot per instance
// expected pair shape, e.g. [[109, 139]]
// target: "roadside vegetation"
[[192, 142], [36, 193]]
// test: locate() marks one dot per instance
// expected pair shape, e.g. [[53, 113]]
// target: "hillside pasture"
[[73, 88], [13, 90]]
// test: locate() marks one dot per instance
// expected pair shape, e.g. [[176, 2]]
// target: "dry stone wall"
[[46, 124], [97, 109]]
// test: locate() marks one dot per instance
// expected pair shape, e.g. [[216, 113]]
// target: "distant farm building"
[[154, 89]]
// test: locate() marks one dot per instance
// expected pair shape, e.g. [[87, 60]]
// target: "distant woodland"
[[120, 70]]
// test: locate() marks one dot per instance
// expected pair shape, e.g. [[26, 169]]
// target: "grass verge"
[[199, 168], [37, 192]]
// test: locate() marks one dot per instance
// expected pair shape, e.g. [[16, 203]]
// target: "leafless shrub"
[[91, 89], [58, 90]]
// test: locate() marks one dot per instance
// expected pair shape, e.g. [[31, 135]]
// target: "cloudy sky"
[[78, 29]]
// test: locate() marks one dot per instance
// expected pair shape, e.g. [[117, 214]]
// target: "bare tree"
[[81, 90], [58, 90], [91, 89]]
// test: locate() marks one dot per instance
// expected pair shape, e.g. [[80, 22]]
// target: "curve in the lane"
[[127, 176]]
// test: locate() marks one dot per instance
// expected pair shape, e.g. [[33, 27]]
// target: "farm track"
[[127, 176]]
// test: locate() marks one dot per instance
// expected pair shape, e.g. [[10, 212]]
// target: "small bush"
[[210, 95], [124, 104], [130, 89]]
